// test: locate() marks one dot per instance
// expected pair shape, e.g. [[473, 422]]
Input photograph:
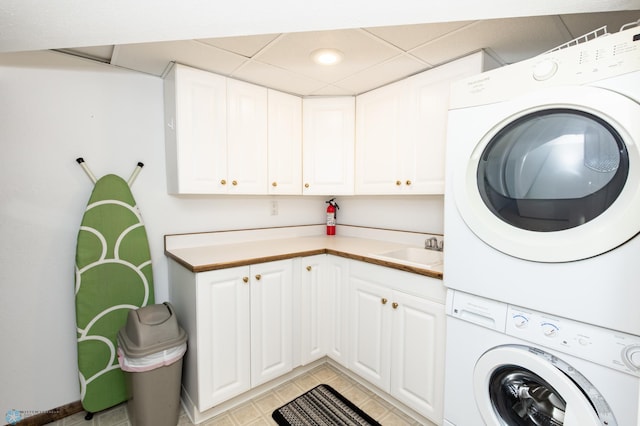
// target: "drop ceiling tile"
[[246, 46], [361, 51], [277, 78], [512, 40], [582, 23], [407, 37], [392, 70], [153, 58], [331, 90]]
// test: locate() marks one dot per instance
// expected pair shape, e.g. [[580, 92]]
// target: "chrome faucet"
[[432, 244]]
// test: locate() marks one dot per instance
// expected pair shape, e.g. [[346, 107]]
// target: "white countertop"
[[214, 254]]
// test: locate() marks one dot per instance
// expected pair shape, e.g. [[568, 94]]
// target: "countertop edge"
[[251, 261]]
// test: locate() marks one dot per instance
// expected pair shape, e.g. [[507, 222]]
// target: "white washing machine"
[[508, 365], [542, 201]]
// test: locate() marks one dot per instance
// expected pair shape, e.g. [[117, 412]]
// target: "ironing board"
[[112, 275]]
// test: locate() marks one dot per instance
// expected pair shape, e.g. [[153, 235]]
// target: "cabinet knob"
[[223, 182], [308, 268], [234, 183], [258, 277], [274, 184], [394, 305], [306, 185], [398, 183], [408, 183], [245, 279], [384, 301]]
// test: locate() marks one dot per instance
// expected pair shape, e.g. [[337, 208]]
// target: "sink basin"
[[413, 256]]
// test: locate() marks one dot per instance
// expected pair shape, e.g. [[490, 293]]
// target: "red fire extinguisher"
[[331, 216]]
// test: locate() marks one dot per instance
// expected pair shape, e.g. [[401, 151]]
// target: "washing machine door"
[[557, 178], [517, 385]]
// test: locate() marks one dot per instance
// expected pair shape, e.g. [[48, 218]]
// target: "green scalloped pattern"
[[113, 275]]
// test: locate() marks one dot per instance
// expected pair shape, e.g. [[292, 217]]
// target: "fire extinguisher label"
[[331, 219]]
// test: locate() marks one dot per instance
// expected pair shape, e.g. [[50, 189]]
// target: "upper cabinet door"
[[379, 134], [284, 143], [328, 146], [246, 138], [427, 104], [195, 131], [426, 126]]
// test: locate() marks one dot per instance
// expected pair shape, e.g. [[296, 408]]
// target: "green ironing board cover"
[[113, 275]]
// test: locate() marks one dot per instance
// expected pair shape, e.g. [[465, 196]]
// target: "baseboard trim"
[[52, 415]]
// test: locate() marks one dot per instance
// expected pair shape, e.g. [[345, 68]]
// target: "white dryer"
[[542, 201], [508, 365]]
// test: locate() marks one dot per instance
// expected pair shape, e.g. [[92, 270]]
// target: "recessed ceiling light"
[[326, 56]]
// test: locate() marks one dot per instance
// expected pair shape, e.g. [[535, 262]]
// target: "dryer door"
[[521, 386], [557, 178]]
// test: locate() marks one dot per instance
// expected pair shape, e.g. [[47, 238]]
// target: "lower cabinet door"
[[271, 320], [336, 321], [417, 354], [313, 313], [223, 349], [370, 328]]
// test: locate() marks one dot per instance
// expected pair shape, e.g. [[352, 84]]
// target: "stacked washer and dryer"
[[542, 221]]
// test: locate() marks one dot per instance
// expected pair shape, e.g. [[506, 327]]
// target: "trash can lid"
[[150, 329]]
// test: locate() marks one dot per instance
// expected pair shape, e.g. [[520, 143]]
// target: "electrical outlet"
[[274, 208]]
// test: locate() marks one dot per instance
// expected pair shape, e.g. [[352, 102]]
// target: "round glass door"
[[552, 170], [517, 385], [553, 176], [521, 398]]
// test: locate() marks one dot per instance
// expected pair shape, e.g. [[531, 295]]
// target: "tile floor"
[[258, 410]]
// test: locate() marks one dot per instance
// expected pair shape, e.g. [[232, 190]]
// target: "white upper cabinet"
[[285, 143], [328, 145], [195, 131], [215, 133], [401, 130], [224, 136]]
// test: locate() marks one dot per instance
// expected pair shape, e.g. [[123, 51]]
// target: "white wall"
[[55, 108]]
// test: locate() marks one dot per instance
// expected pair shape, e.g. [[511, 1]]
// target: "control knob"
[[549, 329], [631, 357], [520, 321], [545, 69]]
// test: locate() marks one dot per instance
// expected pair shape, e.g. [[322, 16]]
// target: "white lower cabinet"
[[337, 309], [239, 322], [385, 325], [417, 353], [397, 328], [313, 302], [323, 312], [271, 320]]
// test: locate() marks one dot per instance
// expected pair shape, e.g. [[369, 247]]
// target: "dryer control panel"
[[606, 347], [604, 57]]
